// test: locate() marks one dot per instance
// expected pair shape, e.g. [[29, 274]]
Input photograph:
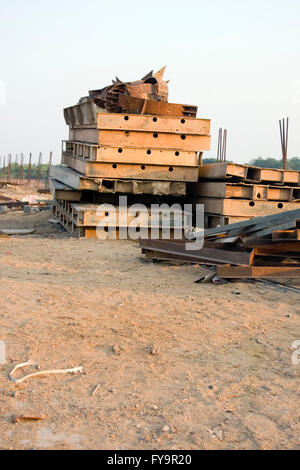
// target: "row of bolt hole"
[[252, 204], [142, 167], [107, 215], [149, 152], [137, 229], [154, 119], [137, 214], [155, 135]]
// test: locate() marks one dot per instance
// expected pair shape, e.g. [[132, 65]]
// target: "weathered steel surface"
[[127, 171], [255, 192], [84, 219], [133, 122], [158, 140], [77, 181], [177, 248], [72, 178], [136, 156], [283, 235], [93, 214], [130, 104], [248, 173], [245, 208], [253, 272], [256, 224], [61, 191], [156, 188], [150, 87], [81, 114], [213, 220]]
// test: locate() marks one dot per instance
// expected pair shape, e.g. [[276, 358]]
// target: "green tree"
[[209, 160], [292, 163]]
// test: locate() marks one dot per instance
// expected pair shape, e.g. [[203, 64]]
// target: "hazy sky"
[[239, 61]]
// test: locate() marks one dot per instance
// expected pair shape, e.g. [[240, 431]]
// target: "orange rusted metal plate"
[[158, 140], [147, 156], [132, 155], [135, 122], [131, 104], [126, 171]]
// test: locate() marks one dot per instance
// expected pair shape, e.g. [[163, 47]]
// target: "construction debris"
[[117, 350], [150, 87], [18, 418], [132, 105], [147, 96], [211, 254], [264, 247], [95, 390]]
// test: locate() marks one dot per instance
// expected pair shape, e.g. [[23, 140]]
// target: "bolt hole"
[[177, 154], [183, 137], [143, 167], [258, 195], [148, 152], [105, 229], [280, 205], [126, 118], [120, 150], [115, 166], [106, 214], [155, 136], [252, 204], [154, 119], [171, 169], [182, 121]]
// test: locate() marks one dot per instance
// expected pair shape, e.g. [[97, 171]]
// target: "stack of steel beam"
[[231, 192], [146, 148], [137, 147]]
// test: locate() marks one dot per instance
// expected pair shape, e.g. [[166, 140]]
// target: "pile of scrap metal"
[[151, 87], [264, 247], [146, 96]]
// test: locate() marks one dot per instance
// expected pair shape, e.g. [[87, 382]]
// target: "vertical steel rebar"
[[284, 137], [224, 150], [219, 145], [222, 146]]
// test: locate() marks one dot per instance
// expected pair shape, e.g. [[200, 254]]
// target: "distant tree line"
[[292, 163], [16, 170]]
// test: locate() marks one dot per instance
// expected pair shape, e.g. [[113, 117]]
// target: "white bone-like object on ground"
[[75, 370]]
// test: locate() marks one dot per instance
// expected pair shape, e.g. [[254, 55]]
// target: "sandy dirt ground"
[[179, 365]]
